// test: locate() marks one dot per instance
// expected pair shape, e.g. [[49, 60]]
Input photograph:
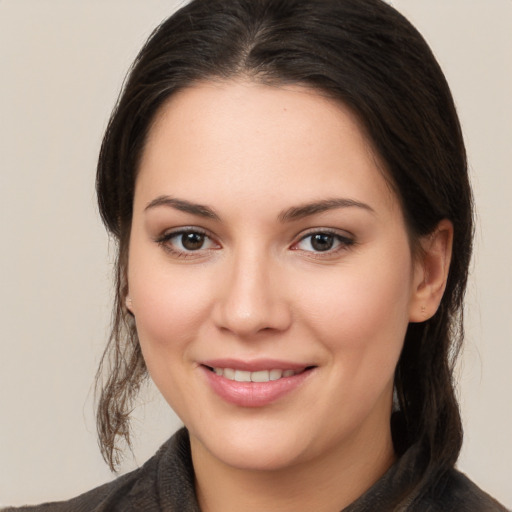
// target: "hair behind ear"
[[121, 372]]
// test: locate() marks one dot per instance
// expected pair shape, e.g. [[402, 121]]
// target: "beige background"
[[62, 63]]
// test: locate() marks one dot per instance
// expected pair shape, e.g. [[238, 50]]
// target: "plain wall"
[[62, 64]]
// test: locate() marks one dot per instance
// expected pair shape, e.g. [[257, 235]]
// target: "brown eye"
[[186, 241], [192, 241], [322, 241]]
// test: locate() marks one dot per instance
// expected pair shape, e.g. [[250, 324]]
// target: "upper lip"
[[255, 365]]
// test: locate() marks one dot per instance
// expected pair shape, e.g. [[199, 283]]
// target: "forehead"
[[245, 111], [258, 140]]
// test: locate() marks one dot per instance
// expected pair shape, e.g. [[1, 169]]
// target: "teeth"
[[275, 374], [259, 376], [241, 376], [229, 373]]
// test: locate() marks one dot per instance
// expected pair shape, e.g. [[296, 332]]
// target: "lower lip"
[[254, 394]]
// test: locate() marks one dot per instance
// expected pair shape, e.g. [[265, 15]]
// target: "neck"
[[325, 484]]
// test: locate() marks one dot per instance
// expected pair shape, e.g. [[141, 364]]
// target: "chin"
[[253, 448], [256, 458]]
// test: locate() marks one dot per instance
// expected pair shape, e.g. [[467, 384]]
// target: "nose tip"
[[245, 321], [253, 301]]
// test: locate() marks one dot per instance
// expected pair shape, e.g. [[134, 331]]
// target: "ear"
[[129, 304], [431, 272]]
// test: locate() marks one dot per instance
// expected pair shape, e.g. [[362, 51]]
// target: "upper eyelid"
[[172, 232], [345, 238], [163, 241], [342, 233]]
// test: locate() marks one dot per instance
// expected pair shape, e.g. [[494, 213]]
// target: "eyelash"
[[164, 241], [344, 242]]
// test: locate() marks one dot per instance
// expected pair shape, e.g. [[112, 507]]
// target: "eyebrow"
[[183, 206], [305, 210], [288, 215]]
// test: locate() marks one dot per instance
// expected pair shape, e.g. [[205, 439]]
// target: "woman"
[[288, 187]]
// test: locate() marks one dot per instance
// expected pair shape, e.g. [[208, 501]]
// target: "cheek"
[[170, 306], [170, 310], [361, 314], [164, 313]]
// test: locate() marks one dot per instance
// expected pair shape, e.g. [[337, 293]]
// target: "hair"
[[366, 55]]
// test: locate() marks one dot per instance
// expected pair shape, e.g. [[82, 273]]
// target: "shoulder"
[[115, 495], [165, 477], [457, 492]]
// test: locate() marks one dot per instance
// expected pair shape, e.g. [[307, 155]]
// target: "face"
[[270, 274]]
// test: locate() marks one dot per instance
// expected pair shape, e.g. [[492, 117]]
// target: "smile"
[[257, 376], [253, 385]]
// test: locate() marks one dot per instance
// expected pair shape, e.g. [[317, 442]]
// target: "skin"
[[258, 288]]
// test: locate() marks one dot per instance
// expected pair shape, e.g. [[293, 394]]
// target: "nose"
[[252, 296]]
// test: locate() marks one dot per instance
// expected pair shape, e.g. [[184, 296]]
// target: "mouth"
[[255, 384], [256, 376]]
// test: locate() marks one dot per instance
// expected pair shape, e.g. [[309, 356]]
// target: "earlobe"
[[129, 304], [431, 272]]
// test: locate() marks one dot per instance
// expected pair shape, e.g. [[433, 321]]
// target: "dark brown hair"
[[370, 58]]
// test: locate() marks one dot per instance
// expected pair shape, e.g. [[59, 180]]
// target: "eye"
[[323, 241], [190, 241], [186, 241]]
